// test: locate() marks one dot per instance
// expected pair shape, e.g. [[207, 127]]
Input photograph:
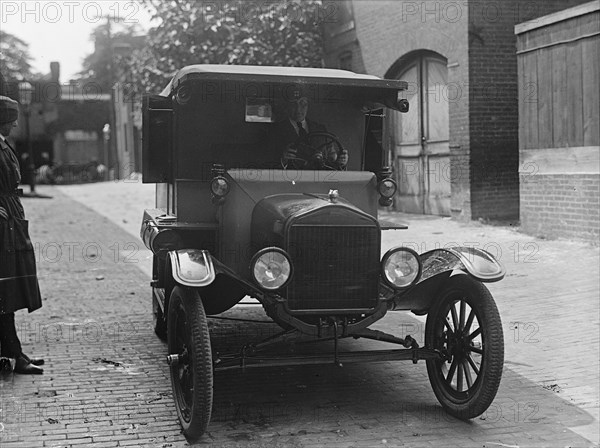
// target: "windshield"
[[242, 130]]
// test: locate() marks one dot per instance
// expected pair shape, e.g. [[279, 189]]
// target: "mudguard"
[[192, 267], [439, 265], [480, 264]]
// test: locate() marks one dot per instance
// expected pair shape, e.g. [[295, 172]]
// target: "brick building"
[[65, 124], [559, 116], [457, 152]]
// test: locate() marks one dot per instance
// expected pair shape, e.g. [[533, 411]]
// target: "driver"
[[289, 139]]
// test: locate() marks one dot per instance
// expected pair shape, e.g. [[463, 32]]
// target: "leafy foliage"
[[281, 32], [111, 50], [15, 61], [3, 86]]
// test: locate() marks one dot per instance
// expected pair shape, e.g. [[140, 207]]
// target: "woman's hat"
[[9, 110]]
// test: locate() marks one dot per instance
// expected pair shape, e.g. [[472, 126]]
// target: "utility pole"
[[26, 97], [114, 153]]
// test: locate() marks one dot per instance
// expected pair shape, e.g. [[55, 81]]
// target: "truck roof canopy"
[[282, 75]]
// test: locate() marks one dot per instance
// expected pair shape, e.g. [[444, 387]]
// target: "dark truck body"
[[228, 214]]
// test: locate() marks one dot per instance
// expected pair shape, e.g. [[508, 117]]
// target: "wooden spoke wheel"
[[190, 361], [464, 325]]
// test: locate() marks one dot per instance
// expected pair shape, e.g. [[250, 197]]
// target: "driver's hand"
[[3, 213], [317, 159], [342, 160], [290, 153], [331, 154]]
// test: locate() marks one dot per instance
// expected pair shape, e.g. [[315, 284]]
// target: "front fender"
[[438, 266], [192, 267], [478, 263]]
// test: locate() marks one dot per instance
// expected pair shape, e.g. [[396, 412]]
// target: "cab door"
[[419, 139]]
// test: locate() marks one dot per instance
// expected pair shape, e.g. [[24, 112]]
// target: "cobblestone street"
[[106, 382]]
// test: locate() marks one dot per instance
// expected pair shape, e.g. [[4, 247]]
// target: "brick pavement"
[[549, 302], [102, 381], [106, 383]]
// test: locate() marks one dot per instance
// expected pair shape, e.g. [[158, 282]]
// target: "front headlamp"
[[271, 268], [387, 188], [219, 186], [183, 95], [401, 267]]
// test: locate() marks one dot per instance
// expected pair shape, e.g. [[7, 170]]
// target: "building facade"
[[456, 153], [62, 126], [559, 115]]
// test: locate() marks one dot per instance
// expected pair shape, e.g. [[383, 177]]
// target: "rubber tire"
[[188, 301], [485, 387], [160, 324]]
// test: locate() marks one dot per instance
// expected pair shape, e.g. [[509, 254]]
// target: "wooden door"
[[420, 140]]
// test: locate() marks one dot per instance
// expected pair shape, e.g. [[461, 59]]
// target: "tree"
[[282, 32], [3, 86], [15, 60], [111, 51]]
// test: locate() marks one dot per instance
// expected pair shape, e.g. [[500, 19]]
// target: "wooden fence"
[[559, 73]]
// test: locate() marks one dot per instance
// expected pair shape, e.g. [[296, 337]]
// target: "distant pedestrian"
[[28, 171], [18, 279], [101, 172], [45, 173]]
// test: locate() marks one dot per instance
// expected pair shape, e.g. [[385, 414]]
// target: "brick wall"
[[493, 110], [493, 102], [387, 31], [561, 205], [477, 38]]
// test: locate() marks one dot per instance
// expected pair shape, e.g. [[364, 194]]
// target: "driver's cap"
[[295, 93]]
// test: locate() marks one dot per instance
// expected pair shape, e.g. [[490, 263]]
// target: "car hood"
[[270, 198], [359, 187], [273, 215]]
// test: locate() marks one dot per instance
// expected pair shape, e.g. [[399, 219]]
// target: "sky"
[[60, 30]]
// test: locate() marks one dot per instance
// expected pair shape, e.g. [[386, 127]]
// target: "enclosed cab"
[[222, 188]]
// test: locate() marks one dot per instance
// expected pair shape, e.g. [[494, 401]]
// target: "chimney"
[[55, 71]]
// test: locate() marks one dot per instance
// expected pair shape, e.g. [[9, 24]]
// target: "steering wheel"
[[322, 148], [327, 148], [294, 162]]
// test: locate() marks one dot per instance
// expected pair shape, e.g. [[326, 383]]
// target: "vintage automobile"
[[232, 221]]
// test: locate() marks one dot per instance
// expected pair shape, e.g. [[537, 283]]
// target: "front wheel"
[[190, 360], [464, 325]]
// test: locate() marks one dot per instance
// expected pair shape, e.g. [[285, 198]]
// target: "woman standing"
[[18, 280]]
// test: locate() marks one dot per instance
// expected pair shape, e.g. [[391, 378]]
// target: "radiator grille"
[[335, 267]]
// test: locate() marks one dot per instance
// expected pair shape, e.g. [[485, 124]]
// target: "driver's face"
[[297, 109]]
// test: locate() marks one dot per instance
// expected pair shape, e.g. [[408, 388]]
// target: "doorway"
[[420, 138]]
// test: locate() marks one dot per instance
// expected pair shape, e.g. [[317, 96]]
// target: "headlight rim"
[[261, 252], [216, 179], [380, 184], [183, 95], [385, 258]]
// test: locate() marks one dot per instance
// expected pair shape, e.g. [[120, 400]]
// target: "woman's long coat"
[[18, 278]]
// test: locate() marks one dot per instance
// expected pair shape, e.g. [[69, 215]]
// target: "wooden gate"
[[420, 139]]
